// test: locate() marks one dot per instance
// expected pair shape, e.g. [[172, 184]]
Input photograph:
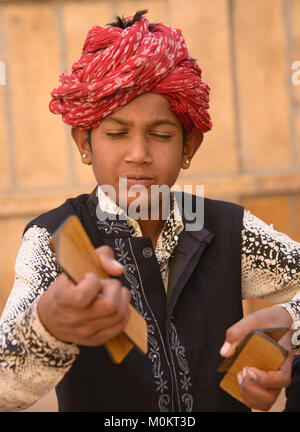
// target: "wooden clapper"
[[258, 349], [77, 256]]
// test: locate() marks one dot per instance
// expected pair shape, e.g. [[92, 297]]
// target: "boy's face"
[[142, 141]]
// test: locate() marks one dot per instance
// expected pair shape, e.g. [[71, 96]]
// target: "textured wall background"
[[246, 50]]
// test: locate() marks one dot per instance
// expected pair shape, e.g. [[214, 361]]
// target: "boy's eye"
[[123, 133], [162, 136], [116, 134]]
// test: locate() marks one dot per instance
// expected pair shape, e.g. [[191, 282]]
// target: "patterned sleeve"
[[271, 268], [270, 262], [32, 361]]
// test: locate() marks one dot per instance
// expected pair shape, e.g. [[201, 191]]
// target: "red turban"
[[116, 65]]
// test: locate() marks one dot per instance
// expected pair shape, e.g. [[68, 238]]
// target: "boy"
[[138, 111]]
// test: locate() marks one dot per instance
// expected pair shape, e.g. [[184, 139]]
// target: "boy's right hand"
[[91, 312]]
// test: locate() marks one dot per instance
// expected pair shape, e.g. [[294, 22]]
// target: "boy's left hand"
[[258, 388]]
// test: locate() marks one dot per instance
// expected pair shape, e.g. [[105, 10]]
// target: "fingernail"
[[239, 378], [244, 373], [118, 264], [252, 375], [225, 349]]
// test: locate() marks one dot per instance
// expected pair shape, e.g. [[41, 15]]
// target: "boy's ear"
[[192, 144], [81, 140], [198, 139]]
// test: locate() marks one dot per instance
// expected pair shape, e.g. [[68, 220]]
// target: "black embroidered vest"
[[185, 329]]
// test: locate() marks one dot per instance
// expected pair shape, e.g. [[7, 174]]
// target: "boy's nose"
[[138, 151]]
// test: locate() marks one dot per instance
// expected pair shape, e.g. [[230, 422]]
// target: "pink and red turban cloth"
[[116, 65]]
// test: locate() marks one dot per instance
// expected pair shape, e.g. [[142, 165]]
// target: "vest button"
[[147, 252]]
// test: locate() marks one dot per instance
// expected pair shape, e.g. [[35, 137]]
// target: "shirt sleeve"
[[32, 361], [271, 268], [270, 262]]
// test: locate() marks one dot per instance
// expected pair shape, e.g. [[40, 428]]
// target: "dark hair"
[[123, 23]]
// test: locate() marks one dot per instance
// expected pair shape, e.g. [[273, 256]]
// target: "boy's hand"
[[258, 388], [91, 312]]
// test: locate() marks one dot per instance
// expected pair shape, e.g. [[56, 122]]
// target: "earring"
[[84, 155], [187, 161]]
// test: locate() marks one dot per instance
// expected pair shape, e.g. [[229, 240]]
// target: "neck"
[[152, 229], [157, 212]]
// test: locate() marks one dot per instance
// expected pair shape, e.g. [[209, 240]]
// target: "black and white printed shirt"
[[32, 361]]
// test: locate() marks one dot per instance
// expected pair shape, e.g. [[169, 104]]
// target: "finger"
[[236, 334], [114, 298], [86, 292], [98, 331], [121, 315], [109, 264], [253, 394], [59, 289], [104, 335], [264, 318], [268, 379]]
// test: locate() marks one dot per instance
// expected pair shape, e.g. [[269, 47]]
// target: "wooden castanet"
[[76, 256]]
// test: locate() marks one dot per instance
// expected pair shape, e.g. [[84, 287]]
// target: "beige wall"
[[245, 48]]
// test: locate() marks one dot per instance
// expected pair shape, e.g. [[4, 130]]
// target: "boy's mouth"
[[135, 179]]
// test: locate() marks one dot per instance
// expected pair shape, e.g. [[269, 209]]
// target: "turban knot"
[[116, 65]]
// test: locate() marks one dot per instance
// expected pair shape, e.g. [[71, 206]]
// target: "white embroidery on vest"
[[154, 350], [185, 379]]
